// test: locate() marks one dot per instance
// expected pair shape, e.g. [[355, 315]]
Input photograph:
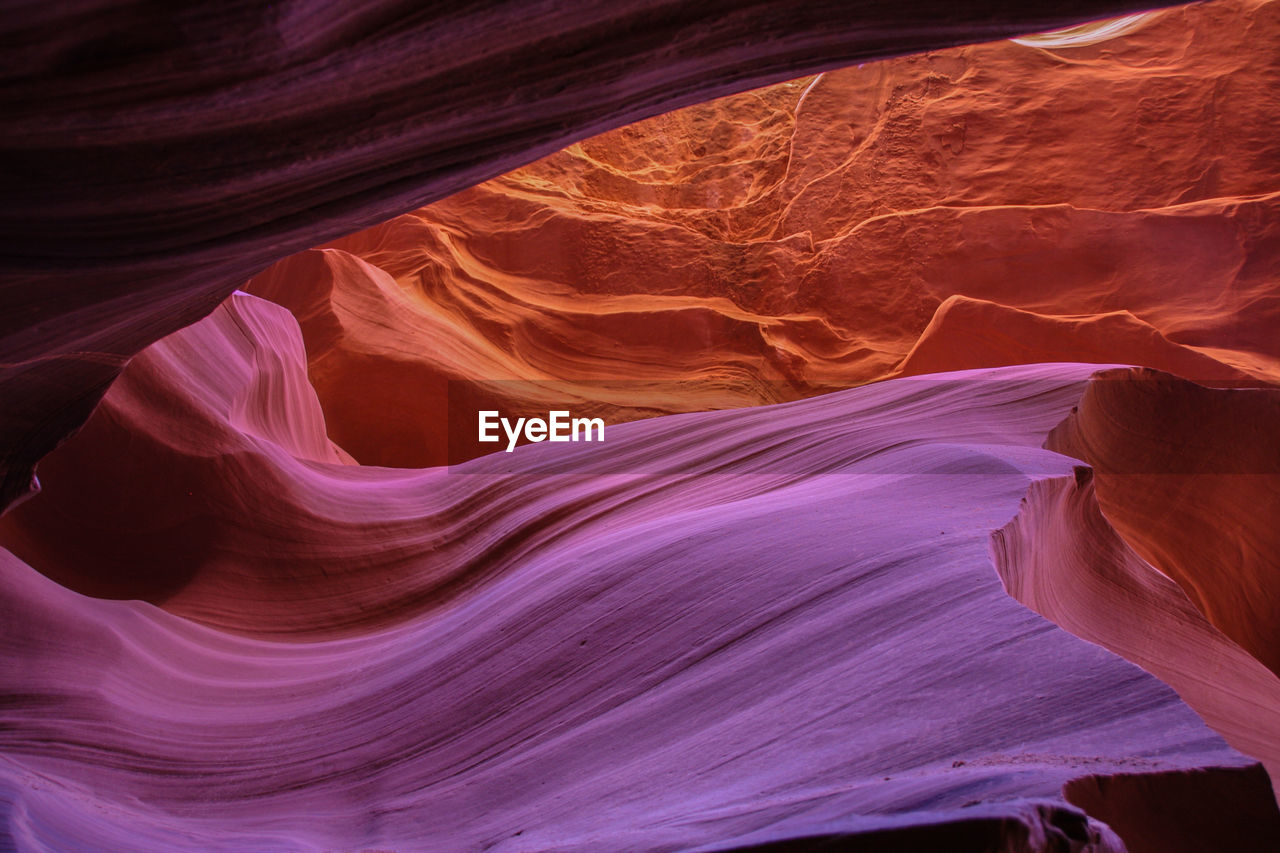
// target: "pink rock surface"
[[611, 648], [1062, 558], [1190, 476], [179, 496]]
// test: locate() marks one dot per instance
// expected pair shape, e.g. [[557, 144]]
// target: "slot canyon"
[[935, 503]]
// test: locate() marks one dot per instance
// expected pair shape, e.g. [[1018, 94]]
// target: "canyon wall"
[[936, 503], [157, 155], [1112, 202]]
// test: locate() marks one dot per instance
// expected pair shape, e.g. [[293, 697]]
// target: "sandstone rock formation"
[[157, 155], [986, 205], [936, 509], [1191, 477], [793, 599]]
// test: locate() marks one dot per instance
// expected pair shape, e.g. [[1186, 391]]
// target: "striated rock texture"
[[174, 468], [763, 614], [1061, 558], [157, 155], [1109, 202], [1191, 477], [192, 489], [723, 628]]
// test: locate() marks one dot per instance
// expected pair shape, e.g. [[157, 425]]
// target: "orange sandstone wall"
[[1114, 202]]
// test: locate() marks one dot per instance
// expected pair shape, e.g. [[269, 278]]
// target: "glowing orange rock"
[[1111, 202]]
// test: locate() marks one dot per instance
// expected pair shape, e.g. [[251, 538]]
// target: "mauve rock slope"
[[716, 628], [937, 505]]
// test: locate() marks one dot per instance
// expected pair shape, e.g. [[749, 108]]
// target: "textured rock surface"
[[183, 493], [1061, 558], [590, 626], [980, 206], [775, 627], [1191, 477], [157, 155]]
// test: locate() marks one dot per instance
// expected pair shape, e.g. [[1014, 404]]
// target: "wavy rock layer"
[[1190, 476], [160, 154], [171, 468], [774, 627], [988, 205], [191, 489], [1062, 559], [591, 623]]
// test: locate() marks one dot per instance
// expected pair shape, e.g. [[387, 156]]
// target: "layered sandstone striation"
[[1190, 476], [846, 331], [157, 155], [1108, 202], [492, 645]]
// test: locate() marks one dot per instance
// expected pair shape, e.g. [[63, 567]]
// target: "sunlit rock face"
[[936, 505], [159, 154], [1106, 202]]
